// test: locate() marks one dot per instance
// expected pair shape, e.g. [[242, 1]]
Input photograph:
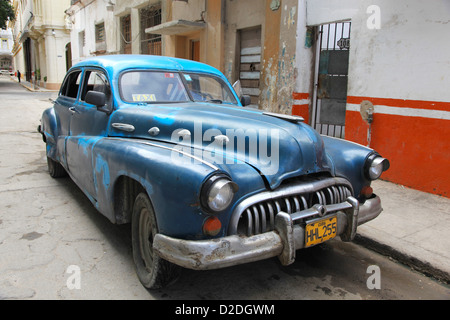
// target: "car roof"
[[120, 62]]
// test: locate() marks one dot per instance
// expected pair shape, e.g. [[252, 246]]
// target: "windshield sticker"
[[187, 77], [143, 97], [169, 75]]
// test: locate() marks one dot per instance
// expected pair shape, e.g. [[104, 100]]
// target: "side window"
[[96, 81], [71, 85]]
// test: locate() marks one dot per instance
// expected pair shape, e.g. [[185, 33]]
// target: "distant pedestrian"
[[18, 75]]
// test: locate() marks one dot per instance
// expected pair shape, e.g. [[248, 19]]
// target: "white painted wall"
[[7, 42], [131, 7], [406, 58], [85, 19], [304, 55]]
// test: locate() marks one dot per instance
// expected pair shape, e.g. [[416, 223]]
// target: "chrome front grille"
[[256, 214]]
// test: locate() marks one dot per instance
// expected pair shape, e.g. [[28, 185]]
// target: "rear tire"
[[153, 272], [55, 169]]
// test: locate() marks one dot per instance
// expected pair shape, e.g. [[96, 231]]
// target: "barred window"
[[100, 32], [150, 16], [125, 28], [81, 42]]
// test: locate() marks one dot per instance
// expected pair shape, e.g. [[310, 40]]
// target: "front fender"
[[347, 160], [173, 188]]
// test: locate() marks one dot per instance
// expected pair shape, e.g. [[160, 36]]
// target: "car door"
[[64, 107], [88, 125]]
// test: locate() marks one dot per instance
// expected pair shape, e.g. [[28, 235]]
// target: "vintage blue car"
[[168, 145]]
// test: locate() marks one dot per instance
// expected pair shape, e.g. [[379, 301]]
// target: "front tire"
[[153, 272]]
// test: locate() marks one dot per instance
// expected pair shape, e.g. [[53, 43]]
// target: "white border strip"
[[406, 112], [301, 102]]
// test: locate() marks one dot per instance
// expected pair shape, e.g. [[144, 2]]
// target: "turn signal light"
[[212, 226], [367, 191]]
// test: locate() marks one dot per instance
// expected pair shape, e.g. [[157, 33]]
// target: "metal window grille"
[[100, 32], [150, 16]]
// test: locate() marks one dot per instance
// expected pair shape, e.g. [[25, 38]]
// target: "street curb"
[[31, 89], [412, 262]]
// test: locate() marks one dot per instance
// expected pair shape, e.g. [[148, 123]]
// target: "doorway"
[[195, 50], [28, 61], [331, 78], [68, 56], [250, 62]]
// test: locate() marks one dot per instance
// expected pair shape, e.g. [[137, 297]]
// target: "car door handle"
[[73, 110]]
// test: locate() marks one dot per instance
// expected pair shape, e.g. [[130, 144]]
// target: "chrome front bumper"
[[282, 242]]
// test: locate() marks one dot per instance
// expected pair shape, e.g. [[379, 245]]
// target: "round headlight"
[[375, 166], [218, 193]]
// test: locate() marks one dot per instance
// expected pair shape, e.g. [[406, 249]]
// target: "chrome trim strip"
[[167, 148], [316, 210], [286, 117]]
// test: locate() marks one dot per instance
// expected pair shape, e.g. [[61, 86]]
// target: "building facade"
[[41, 34], [227, 34], [375, 72], [6, 46]]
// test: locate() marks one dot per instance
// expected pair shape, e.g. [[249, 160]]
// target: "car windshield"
[[152, 86], [159, 86], [208, 88]]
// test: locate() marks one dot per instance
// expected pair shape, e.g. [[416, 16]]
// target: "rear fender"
[[48, 130]]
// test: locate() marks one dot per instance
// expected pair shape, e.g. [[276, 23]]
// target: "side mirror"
[[246, 100], [96, 98]]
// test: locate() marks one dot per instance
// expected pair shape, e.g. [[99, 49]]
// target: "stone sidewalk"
[[413, 229]]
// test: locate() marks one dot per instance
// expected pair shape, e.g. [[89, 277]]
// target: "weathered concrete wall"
[[278, 73], [399, 62], [304, 63], [84, 19], [213, 50], [286, 56], [211, 37]]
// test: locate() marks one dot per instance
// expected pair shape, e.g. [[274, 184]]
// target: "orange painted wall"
[[418, 148], [301, 109]]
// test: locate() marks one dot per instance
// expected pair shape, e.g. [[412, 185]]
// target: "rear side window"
[[71, 85], [96, 81]]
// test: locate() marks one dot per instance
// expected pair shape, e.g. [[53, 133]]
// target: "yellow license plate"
[[320, 230]]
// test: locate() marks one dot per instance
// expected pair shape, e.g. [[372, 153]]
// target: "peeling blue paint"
[[87, 143], [166, 120], [101, 166]]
